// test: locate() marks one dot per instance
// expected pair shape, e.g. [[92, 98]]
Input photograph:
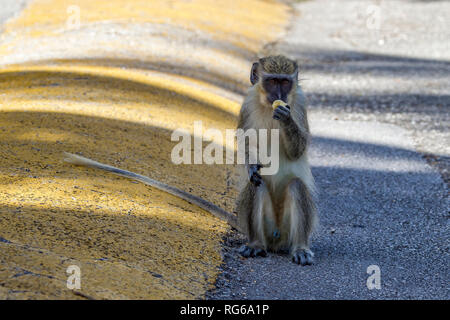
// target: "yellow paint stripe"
[[152, 80], [245, 23], [130, 240]]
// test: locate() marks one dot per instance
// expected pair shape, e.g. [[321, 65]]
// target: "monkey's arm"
[[294, 129], [252, 169], [295, 137], [206, 205]]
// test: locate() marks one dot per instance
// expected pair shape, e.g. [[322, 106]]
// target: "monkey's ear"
[[254, 73]]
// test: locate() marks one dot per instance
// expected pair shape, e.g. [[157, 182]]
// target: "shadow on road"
[[359, 62], [220, 80], [93, 88], [121, 256]]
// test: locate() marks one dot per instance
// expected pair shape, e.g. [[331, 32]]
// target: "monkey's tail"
[[206, 205]]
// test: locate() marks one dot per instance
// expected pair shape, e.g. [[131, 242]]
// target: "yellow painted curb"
[[129, 240]]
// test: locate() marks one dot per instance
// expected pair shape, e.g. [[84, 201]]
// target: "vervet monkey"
[[277, 212]]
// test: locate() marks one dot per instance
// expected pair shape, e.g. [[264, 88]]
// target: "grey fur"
[[206, 205]]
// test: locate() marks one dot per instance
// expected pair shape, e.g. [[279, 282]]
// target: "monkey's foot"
[[303, 257], [247, 251]]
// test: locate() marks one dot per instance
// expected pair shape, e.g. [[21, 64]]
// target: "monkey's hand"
[[253, 173], [282, 113]]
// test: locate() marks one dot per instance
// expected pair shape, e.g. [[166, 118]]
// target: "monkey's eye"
[[285, 83], [270, 84]]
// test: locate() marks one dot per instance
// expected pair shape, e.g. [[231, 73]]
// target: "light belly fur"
[[274, 221]]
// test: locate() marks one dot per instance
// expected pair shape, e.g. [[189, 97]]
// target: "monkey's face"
[[276, 77], [277, 87]]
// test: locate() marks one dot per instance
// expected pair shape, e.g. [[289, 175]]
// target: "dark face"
[[277, 87]]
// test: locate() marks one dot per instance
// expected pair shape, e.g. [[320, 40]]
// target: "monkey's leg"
[[300, 218], [252, 204]]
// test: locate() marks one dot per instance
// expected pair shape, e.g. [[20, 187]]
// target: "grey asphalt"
[[378, 103]]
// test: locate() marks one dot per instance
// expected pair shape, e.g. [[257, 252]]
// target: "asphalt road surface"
[[377, 75], [378, 103]]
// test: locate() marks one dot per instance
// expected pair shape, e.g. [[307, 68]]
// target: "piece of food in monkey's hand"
[[278, 103], [281, 110]]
